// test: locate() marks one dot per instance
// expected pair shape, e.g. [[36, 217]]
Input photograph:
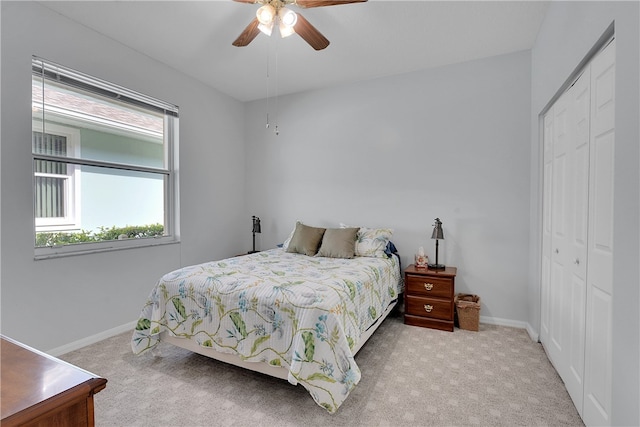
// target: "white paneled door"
[[560, 201], [597, 393], [577, 230], [545, 317], [578, 234]]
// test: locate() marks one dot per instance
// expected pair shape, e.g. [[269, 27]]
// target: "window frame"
[[47, 70]]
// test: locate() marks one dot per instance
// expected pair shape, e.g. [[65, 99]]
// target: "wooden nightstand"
[[428, 297]]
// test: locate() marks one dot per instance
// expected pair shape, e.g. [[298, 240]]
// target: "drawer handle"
[[428, 286], [428, 308]]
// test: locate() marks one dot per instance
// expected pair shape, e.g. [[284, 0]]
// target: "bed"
[[286, 314]]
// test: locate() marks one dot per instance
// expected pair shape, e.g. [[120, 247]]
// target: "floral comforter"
[[302, 313]]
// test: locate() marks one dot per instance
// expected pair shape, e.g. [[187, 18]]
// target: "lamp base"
[[436, 266], [253, 252]]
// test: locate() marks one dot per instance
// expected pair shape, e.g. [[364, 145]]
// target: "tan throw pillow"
[[305, 240], [339, 243]]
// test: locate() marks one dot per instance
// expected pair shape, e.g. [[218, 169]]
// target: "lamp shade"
[[437, 230], [266, 28], [266, 14], [285, 31], [256, 225], [288, 19]]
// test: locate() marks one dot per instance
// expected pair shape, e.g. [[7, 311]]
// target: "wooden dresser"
[[39, 390], [428, 297]]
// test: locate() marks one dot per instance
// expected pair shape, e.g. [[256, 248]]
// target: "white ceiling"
[[368, 40]]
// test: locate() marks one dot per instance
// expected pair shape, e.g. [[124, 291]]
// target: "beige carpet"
[[410, 376]]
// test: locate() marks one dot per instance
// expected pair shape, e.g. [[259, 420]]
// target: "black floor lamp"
[[256, 229]]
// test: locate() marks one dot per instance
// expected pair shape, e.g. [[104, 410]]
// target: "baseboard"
[[512, 324], [58, 351], [533, 334], [503, 322]]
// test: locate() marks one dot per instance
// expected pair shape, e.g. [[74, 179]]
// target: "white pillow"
[[285, 245], [371, 242]]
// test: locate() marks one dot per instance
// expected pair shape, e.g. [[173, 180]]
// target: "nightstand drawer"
[[429, 286], [429, 307]]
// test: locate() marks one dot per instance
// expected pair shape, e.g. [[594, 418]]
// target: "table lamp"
[[437, 234], [255, 229]]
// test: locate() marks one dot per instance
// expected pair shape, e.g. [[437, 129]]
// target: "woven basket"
[[468, 309]]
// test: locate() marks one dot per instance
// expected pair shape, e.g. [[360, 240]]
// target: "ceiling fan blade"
[[321, 3], [248, 34], [310, 34]]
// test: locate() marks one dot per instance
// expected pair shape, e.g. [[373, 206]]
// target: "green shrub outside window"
[[103, 234]]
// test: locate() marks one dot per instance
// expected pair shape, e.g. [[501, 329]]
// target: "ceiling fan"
[[289, 22]]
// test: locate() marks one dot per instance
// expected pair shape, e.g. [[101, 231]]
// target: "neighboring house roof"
[[102, 111]]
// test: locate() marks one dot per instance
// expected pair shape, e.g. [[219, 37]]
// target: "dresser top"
[[29, 376], [447, 272]]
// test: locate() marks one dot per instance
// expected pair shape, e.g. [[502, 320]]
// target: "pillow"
[[338, 243], [390, 249], [305, 239], [285, 245], [372, 242]]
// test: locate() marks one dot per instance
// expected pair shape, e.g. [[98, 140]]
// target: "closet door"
[[559, 277], [577, 237], [567, 258], [597, 390], [580, 102], [545, 296]]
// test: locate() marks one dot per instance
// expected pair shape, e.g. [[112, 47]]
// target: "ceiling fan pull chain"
[[267, 95], [276, 130]]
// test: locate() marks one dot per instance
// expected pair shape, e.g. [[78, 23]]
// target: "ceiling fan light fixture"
[[266, 29], [266, 15], [285, 31], [287, 17]]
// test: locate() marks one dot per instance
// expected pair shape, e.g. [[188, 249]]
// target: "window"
[[103, 164], [56, 183]]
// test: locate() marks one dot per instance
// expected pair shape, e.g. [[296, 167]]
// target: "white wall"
[[567, 34], [451, 142], [48, 304], [458, 142]]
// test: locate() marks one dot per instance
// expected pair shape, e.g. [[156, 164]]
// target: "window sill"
[[94, 248]]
